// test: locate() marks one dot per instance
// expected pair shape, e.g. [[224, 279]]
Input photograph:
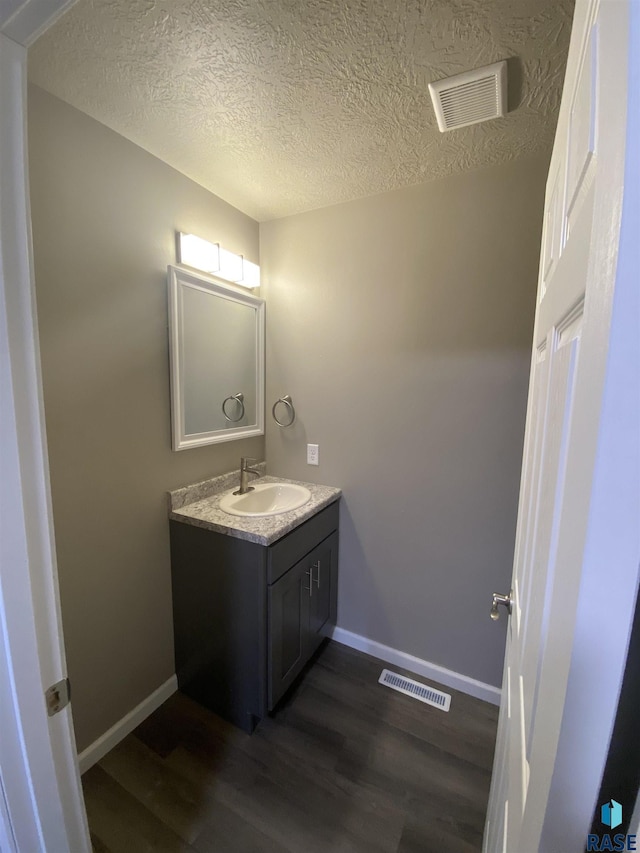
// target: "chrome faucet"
[[245, 470]]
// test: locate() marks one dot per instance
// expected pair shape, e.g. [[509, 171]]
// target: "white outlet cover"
[[313, 454]]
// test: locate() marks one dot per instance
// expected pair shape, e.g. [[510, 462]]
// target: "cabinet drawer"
[[293, 547]]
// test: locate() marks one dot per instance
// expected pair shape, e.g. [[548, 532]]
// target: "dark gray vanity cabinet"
[[248, 617]]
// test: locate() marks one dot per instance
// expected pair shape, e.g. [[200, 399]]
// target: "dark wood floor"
[[345, 766]]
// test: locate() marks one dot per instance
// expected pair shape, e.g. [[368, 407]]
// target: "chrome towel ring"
[[286, 400], [239, 398]]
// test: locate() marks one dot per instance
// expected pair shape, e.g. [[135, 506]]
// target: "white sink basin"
[[266, 499]]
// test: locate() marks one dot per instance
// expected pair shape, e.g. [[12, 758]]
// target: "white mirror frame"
[[178, 275]]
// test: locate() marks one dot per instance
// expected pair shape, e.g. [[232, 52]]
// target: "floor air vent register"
[[416, 690]]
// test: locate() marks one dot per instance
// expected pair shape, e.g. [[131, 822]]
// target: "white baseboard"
[[448, 677], [100, 747]]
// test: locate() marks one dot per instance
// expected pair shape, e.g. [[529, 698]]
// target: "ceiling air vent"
[[471, 97]]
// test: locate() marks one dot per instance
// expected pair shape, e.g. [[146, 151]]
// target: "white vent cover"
[[470, 97], [415, 689]]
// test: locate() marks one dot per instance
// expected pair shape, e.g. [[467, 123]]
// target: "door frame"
[[42, 805], [38, 760]]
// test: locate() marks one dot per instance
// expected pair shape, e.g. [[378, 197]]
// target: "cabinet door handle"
[[316, 566], [309, 574]]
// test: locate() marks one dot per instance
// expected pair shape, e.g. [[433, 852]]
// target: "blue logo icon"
[[611, 814]]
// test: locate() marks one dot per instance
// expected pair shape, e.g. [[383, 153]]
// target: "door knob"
[[504, 600]]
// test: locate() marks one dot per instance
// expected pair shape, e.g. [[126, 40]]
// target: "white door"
[[549, 658]]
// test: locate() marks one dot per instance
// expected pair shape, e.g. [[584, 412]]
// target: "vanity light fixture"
[[212, 258]]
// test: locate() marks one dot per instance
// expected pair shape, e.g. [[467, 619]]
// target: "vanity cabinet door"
[[302, 611], [323, 600], [288, 629]]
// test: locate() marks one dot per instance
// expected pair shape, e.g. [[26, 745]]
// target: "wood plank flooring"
[[344, 766]]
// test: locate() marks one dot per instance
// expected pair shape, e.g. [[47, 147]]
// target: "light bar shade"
[[230, 266], [199, 253], [250, 274], [212, 258]]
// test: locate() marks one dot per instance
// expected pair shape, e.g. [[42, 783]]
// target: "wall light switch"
[[313, 454]]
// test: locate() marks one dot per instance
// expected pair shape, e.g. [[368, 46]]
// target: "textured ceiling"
[[280, 106]]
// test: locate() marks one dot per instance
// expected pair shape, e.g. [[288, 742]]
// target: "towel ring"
[[239, 398], [292, 412]]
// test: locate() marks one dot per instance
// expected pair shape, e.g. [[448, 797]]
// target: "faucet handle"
[[245, 461]]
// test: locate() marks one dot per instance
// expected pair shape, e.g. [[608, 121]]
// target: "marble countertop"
[[199, 505]]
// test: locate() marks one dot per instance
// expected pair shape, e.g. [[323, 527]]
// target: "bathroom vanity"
[[253, 598]]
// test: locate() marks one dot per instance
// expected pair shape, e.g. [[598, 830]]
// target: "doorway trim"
[[43, 807]]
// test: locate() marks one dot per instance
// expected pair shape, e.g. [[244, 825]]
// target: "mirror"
[[217, 360]]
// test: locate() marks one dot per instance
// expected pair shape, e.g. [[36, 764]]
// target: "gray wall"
[[401, 325], [104, 217]]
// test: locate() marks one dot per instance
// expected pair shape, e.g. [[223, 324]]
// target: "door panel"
[[302, 612], [529, 500], [561, 398], [553, 233], [323, 563], [291, 633], [582, 130], [288, 628]]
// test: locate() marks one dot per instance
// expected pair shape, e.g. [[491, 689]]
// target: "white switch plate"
[[313, 454]]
